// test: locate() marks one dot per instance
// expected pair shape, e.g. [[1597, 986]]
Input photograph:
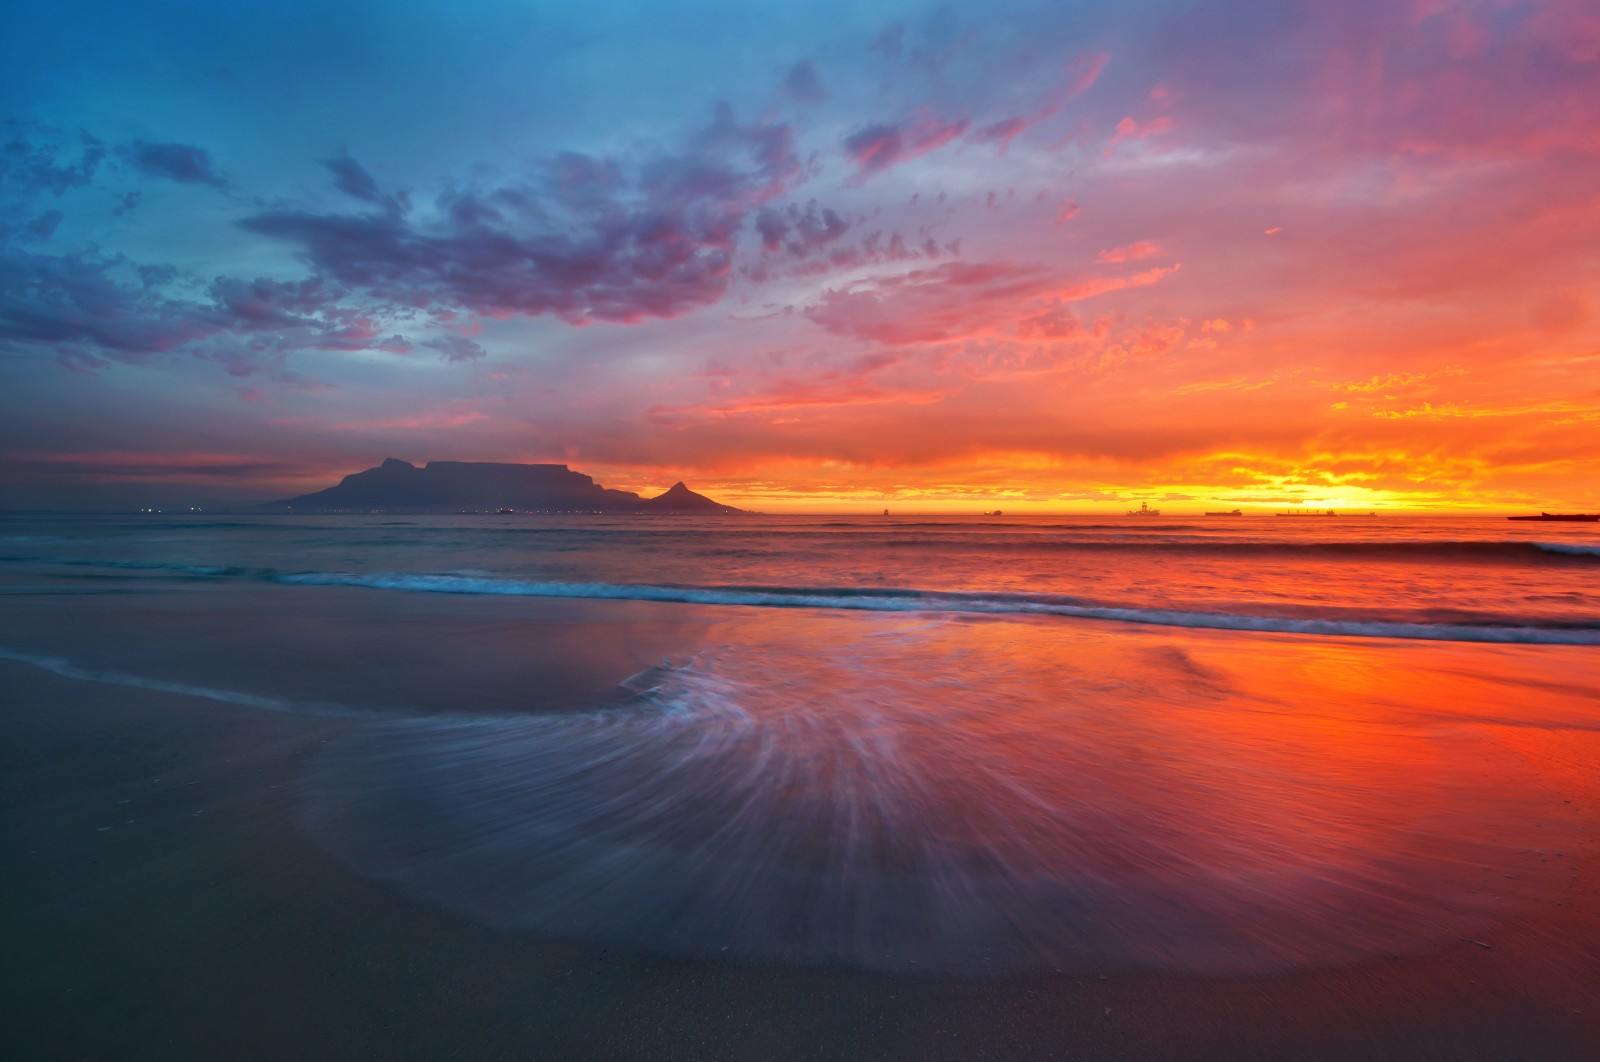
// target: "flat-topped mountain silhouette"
[[479, 486]]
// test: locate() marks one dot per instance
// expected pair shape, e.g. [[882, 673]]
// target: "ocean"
[[1456, 579], [907, 746]]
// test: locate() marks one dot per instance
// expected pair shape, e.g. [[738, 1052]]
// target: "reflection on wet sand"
[[944, 794]]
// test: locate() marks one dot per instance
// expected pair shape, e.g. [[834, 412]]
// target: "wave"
[[1411, 550], [136, 566], [1573, 549], [897, 599], [1477, 628]]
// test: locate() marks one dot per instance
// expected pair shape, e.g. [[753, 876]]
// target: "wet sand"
[[165, 900]]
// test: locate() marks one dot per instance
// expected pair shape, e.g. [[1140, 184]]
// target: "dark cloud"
[[889, 41], [44, 226], [591, 239], [772, 227], [91, 310], [75, 305], [585, 238], [263, 303], [35, 160], [876, 248], [351, 178], [456, 347], [174, 162], [153, 276], [799, 231], [803, 84]]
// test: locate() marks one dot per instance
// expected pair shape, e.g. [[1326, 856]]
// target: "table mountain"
[[478, 486]]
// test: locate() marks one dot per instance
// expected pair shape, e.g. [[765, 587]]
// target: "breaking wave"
[[1470, 627], [895, 599]]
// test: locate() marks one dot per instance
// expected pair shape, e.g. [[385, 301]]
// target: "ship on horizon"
[[1230, 512], [1144, 510], [1576, 518]]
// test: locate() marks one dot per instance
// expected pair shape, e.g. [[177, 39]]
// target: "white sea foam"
[[64, 668], [1571, 549]]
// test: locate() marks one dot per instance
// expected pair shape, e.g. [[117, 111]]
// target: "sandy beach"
[[166, 899]]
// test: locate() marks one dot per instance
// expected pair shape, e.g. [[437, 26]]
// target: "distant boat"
[[1574, 518], [1230, 512], [886, 512], [505, 512], [1307, 512], [997, 512], [1144, 510]]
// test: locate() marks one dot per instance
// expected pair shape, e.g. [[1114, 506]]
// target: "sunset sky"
[[823, 255]]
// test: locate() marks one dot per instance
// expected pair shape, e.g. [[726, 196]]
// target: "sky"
[[822, 256]]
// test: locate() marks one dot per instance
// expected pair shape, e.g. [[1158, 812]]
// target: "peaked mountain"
[[479, 486], [680, 499]]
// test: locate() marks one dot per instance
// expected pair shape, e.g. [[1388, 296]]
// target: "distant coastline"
[[461, 487]]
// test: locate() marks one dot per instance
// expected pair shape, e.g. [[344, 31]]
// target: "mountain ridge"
[[487, 486]]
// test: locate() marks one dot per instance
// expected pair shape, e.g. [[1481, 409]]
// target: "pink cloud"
[[962, 300], [1058, 322], [434, 420], [791, 395], [856, 382], [421, 420], [1130, 129], [1081, 73], [1130, 252], [1084, 70], [878, 147], [1001, 133], [1089, 288]]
